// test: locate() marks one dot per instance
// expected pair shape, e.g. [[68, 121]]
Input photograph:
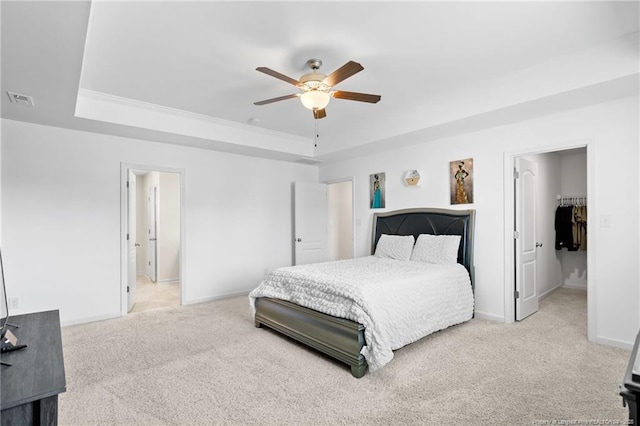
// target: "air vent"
[[307, 160], [17, 98]]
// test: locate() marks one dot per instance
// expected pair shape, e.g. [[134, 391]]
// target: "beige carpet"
[[208, 364]]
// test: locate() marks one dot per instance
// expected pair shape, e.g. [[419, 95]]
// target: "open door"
[[526, 293], [310, 223], [131, 240]]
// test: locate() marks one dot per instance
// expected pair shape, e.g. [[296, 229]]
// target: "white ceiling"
[[191, 65]]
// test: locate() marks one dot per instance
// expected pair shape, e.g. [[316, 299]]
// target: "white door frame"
[[351, 179], [124, 171], [509, 223]]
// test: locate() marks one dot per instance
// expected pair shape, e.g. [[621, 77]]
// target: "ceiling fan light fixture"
[[315, 99], [315, 89]]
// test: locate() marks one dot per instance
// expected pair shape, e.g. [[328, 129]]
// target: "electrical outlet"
[[14, 302]]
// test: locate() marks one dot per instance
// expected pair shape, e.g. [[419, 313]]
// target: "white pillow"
[[397, 247], [436, 248]]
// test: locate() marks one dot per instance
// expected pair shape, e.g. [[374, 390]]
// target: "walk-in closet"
[[562, 219]]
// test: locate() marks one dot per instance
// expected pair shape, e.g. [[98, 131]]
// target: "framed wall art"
[[377, 196], [461, 178]]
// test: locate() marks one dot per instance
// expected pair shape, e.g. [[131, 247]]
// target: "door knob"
[[137, 245], [538, 244], [299, 240]]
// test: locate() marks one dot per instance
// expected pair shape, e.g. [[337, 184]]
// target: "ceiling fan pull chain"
[[315, 137]]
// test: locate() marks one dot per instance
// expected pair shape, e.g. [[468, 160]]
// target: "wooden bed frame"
[[343, 339]]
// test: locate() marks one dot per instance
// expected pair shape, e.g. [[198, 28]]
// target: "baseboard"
[[548, 292], [168, 280], [491, 317], [615, 343], [89, 319], [575, 286], [143, 273], [218, 297]]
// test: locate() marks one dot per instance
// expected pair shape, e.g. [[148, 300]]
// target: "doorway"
[[323, 224], [541, 264], [341, 229], [153, 237]]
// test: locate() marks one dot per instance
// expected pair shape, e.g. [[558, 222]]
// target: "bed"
[[344, 339]]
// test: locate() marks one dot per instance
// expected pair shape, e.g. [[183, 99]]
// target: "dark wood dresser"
[[30, 386], [630, 389]]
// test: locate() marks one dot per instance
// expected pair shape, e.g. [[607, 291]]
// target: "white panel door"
[[131, 240], [525, 238], [310, 223], [152, 233]]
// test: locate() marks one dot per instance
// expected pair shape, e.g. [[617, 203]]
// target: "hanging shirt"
[[564, 228], [580, 227]]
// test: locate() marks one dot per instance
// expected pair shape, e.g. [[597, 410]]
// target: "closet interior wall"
[[559, 173]]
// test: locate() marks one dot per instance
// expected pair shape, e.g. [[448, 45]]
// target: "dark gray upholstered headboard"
[[429, 221]]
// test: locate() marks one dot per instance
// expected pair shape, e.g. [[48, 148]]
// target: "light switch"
[[605, 221]]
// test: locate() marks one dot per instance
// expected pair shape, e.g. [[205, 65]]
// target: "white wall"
[[573, 169], [169, 227], [610, 129], [61, 217]]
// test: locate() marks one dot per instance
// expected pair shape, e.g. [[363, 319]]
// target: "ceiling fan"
[[315, 88]]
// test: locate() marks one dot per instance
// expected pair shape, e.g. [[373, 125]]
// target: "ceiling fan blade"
[[342, 73], [281, 98], [276, 74], [354, 96], [319, 113]]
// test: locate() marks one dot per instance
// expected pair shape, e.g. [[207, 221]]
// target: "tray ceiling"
[[184, 72]]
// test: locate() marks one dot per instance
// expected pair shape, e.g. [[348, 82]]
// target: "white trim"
[[490, 317], [161, 109], [592, 296], [509, 256], [218, 297], [89, 319], [509, 246], [615, 343], [124, 168], [168, 280], [548, 292], [94, 105], [575, 286]]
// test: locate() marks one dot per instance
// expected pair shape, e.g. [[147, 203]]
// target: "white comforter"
[[398, 302]]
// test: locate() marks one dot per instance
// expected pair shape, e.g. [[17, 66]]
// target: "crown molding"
[[100, 106]]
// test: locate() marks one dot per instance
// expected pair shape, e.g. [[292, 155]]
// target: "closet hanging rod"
[[573, 200]]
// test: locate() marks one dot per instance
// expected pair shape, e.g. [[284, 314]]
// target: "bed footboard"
[[337, 337]]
